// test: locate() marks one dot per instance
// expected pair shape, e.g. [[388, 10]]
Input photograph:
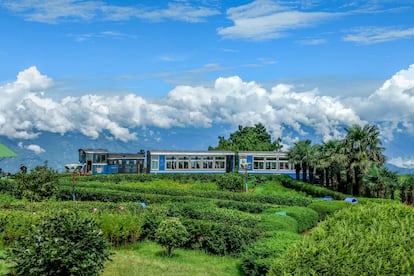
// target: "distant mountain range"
[[59, 150]]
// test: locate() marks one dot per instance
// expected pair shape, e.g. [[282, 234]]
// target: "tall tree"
[[300, 156], [362, 145], [249, 138]]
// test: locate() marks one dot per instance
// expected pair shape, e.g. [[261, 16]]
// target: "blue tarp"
[[351, 199], [327, 198]]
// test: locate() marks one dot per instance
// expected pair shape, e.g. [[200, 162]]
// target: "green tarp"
[[6, 152]]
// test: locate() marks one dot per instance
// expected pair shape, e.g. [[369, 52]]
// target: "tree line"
[[352, 165]]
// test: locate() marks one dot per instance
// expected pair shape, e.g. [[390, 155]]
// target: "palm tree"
[[332, 162], [300, 155], [362, 145]]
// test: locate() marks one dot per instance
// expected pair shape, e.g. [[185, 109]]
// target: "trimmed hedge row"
[[258, 257], [309, 189], [120, 223], [123, 193], [326, 208], [212, 237], [372, 238], [305, 217], [200, 211]]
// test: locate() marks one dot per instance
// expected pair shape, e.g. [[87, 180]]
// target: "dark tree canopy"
[[249, 138]]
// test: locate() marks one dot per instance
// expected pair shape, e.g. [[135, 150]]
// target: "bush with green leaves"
[[306, 217], [258, 257], [41, 183], [171, 233], [232, 182], [326, 208], [62, 243], [14, 224], [364, 239]]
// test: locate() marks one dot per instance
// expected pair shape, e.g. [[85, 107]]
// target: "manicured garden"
[[280, 226]]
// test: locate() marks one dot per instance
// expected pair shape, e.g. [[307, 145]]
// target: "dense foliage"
[[340, 164], [374, 239], [60, 244], [249, 138], [171, 234], [41, 183], [233, 182]]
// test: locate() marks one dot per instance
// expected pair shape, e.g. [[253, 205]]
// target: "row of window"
[[190, 162]]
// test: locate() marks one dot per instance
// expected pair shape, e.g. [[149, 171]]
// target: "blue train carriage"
[[100, 161], [190, 161], [265, 162]]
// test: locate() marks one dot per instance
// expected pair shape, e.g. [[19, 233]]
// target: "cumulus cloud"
[[26, 110], [265, 19], [35, 148], [391, 105]]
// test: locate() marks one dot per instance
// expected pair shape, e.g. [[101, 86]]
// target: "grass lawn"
[[147, 258]]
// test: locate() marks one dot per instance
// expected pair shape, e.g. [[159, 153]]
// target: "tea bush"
[[232, 182], [326, 208], [60, 244], [40, 184], [374, 239], [306, 217], [258, 257], [171, 234]]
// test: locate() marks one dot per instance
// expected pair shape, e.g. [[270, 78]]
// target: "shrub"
[[219, 238], [171, 234], [274, 222], [231, 182], [40, 184], [375, 239], [152, 219], [258, 258], [120, 229], [306, 217], [14, 224], [326, 208], [60, 244]]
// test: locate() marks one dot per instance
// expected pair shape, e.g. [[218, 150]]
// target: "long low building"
[[265, 162], [190, 161]]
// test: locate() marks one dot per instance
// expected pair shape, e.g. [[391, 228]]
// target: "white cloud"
[[35, 148], [266, 19], [372, 35], [27, 111], [72, 10], [402, 162], [391, 105]]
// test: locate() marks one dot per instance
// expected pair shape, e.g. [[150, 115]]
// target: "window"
[[99, 158], [154, 163], [258, 163]]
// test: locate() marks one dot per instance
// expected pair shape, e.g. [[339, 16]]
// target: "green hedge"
[[113, 192], [371, 239], [208, 211], [258, 258], [219, 238], [326, 208], [14, 224], [309, 189], [305, 217]]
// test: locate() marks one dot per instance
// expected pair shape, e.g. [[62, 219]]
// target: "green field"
[[230, 233]]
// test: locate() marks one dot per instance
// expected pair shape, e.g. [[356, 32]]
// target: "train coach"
[[265, 162], [101, 161], [190, 161]]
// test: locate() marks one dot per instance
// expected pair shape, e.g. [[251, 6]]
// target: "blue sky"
[[114, 66]]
